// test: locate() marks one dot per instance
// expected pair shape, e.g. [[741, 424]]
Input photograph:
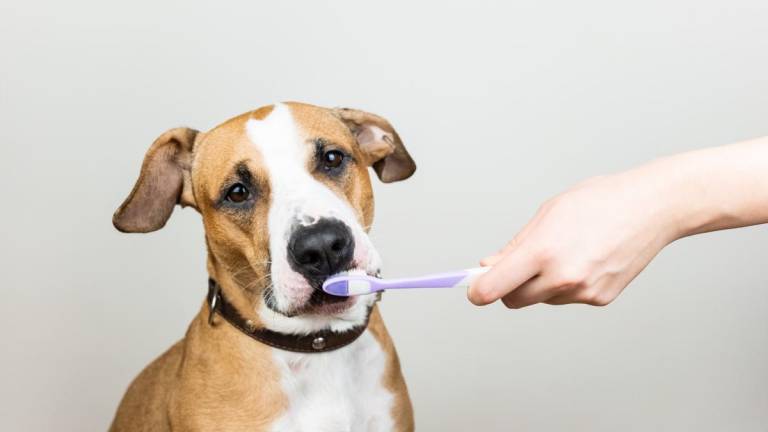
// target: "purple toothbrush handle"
[[441, 280]]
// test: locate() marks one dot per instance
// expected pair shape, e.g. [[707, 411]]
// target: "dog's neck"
[[313, 342]]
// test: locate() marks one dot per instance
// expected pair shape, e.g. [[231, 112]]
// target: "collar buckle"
[[213, 300]]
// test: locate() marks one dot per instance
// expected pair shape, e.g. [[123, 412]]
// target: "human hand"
[[583, 246]]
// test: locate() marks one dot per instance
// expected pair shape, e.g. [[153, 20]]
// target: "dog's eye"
[[237, 193], [332, 159]]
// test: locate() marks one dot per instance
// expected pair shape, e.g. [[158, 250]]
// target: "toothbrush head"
[[345, 284]]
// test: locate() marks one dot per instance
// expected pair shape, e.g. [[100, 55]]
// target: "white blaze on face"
[[298, 198]]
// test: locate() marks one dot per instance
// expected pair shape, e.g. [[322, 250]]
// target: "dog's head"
[[286, 201]]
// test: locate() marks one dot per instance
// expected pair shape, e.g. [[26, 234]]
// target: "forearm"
[[711, 189]]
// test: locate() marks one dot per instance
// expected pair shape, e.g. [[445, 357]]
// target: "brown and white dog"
[[286, 201]]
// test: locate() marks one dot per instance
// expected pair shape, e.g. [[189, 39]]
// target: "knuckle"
[[602, 300], [545, 256], [563, 200], [595, 297], [546, 205], [572, 279], [551, 204], [512, 243]]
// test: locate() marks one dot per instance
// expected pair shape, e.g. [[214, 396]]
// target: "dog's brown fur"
[[216, 378]]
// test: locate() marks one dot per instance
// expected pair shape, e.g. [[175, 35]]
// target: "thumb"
[[508, 273]]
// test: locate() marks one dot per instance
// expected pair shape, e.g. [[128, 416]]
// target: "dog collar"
[[322, 341]]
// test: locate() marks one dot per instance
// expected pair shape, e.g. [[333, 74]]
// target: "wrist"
[[698, 191], [664, 192]]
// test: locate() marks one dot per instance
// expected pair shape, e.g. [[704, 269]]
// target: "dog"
[[286, 201]]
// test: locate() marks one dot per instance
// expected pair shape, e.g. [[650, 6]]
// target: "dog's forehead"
[[317, 122]]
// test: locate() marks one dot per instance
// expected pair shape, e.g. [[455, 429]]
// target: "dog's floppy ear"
[[380, 144], [163, 182]]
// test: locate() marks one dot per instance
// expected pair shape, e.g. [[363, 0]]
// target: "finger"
[[539, 289], [504, 277]]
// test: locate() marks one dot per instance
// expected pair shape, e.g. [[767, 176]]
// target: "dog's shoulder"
[[145, 402]]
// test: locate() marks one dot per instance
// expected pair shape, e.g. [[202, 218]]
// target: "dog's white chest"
[[340, 390]]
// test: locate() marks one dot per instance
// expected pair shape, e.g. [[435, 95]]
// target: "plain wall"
[[502, 104]]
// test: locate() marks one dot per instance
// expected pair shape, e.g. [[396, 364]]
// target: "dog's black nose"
[[319, 250]]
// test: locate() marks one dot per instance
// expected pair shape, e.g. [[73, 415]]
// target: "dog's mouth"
[[321, 298], [319, 302]]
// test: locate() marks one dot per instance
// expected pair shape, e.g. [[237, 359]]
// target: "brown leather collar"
[[322, 341]]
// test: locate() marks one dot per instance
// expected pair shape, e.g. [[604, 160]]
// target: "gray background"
[[502, 105]]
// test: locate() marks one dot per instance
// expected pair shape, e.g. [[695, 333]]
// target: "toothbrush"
[[352, 284]]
